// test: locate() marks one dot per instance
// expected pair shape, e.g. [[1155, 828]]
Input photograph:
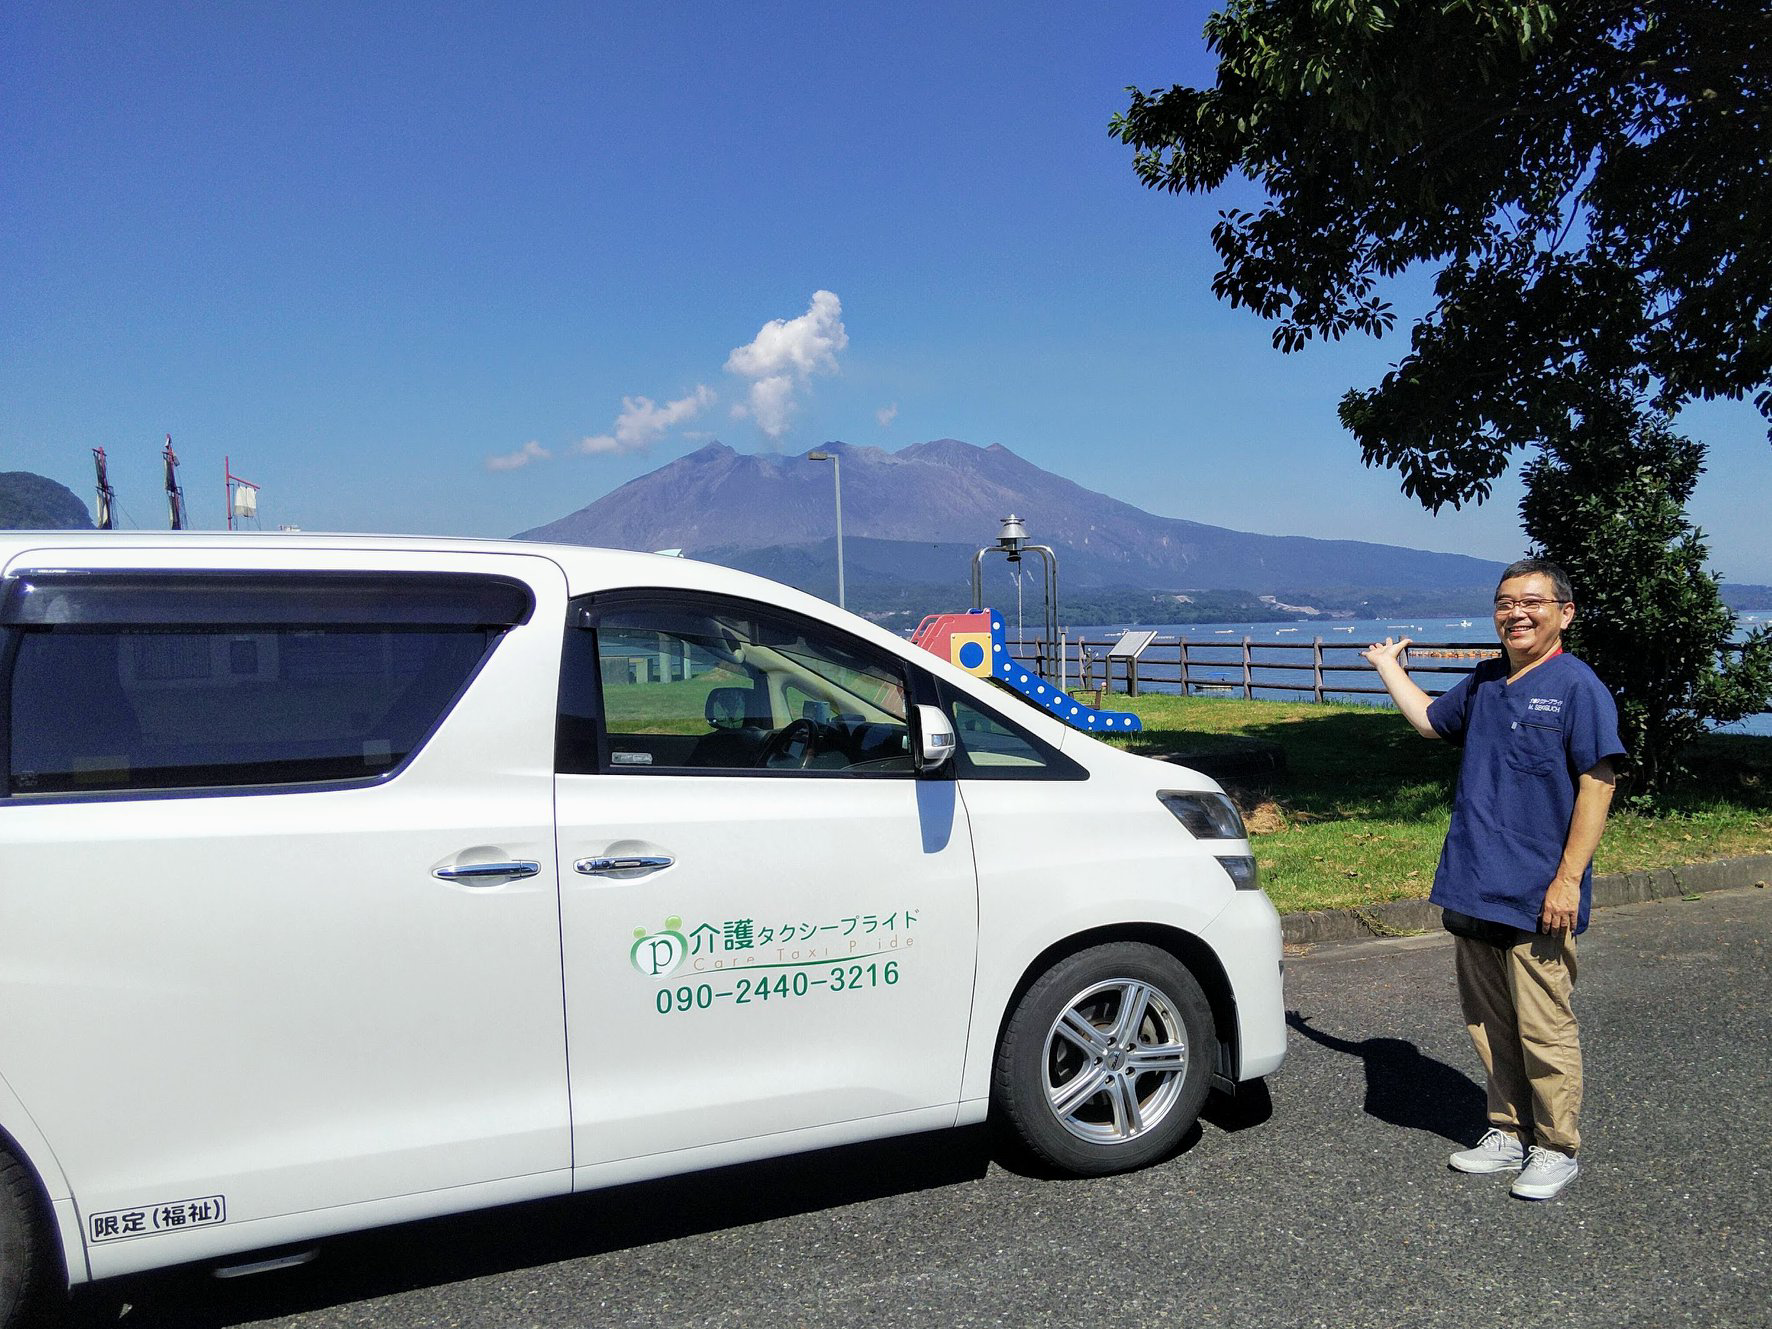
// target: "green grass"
[[678, 707], [1358, 815]]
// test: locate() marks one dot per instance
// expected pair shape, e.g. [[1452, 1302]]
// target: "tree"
[[1606, 497], [1589, 179]]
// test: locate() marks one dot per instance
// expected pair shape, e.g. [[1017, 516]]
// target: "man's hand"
[[1379, 652], [1562, 906], [1593, 798], [1386, 657]]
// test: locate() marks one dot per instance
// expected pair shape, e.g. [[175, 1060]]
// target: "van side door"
[[770, 920]]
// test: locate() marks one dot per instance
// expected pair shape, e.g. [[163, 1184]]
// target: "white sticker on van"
[[172, 1216]]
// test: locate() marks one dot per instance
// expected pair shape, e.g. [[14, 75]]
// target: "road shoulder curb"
[[1404, 918]]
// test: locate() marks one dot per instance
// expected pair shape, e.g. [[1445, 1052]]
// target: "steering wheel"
[[781, 743]]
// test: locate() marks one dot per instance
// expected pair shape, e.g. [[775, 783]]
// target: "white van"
[[346, 881]]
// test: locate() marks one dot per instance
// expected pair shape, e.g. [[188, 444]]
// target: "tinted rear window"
[[168, 682]]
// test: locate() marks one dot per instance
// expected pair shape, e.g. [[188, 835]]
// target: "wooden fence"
[[1226, 666], [1214, 666]]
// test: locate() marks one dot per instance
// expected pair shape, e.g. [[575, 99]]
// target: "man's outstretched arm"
[[1410, 699]]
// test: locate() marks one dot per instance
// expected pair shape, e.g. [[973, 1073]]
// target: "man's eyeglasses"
[[1530, 603]]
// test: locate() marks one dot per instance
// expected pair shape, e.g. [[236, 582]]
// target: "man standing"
[[1539, 732]]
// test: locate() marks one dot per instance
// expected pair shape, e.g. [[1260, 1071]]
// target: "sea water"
[[1215, 654]]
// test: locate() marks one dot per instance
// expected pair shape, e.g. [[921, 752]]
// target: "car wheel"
[[23, 1249], [1107, 1059]]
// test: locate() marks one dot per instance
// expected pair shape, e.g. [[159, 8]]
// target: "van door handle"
[[602, 867], [472, 873]]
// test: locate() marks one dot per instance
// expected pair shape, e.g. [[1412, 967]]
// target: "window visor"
[[142, 599]]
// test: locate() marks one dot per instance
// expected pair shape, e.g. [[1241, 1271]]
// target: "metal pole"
[[1050, 558], [837, 476], [1046, 552], [1013, 546]]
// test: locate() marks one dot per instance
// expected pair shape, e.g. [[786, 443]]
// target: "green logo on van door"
[[657, 954]]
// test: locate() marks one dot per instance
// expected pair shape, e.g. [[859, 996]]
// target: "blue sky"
[[465, 268]]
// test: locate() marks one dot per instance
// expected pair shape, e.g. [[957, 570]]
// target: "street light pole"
[[837, 476]]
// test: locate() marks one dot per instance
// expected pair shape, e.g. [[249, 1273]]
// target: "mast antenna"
[[106, 495], [175, 495]]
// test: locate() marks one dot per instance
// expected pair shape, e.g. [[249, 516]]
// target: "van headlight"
[[1206, 816]]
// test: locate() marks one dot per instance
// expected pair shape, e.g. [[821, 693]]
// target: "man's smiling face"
[[1529, 619]]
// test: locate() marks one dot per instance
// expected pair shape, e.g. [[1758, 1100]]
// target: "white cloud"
[[785, 354], [802, 345], [886, 414], [516, 461], [772, 401], [643, 422], [779, 362]]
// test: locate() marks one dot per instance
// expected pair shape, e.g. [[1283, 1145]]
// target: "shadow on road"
[[1406, 1088], [447, 1250], [1252, 1105]]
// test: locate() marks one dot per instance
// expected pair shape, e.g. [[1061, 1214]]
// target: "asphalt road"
[[1332, 1207]]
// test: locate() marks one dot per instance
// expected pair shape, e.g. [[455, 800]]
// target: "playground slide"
[[974, 641]]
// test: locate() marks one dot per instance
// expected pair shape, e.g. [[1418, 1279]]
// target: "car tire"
[[24, 1252], [1106, 1061]]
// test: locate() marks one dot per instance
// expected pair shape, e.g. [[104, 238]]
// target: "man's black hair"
[[1526, 567]]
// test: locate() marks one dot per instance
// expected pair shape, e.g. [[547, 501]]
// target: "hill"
[[30, 502], [914, 518]]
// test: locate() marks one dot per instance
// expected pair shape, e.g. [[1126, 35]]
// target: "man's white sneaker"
[[1497, 1151], [1546, 1172]]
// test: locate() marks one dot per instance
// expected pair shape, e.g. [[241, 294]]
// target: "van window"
[[121, 682], [989, 747], [693, 683]]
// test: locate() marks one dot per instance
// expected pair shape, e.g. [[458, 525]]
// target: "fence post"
[[1317, 668], [1248, 678], [1184, 680]]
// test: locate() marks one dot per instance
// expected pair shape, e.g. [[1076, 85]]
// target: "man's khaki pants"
[[1516, 1006]]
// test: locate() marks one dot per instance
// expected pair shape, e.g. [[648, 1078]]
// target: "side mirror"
[[725, 707], [935, 738]]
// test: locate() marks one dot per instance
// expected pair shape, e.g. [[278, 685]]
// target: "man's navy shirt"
[[1526, 745]]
